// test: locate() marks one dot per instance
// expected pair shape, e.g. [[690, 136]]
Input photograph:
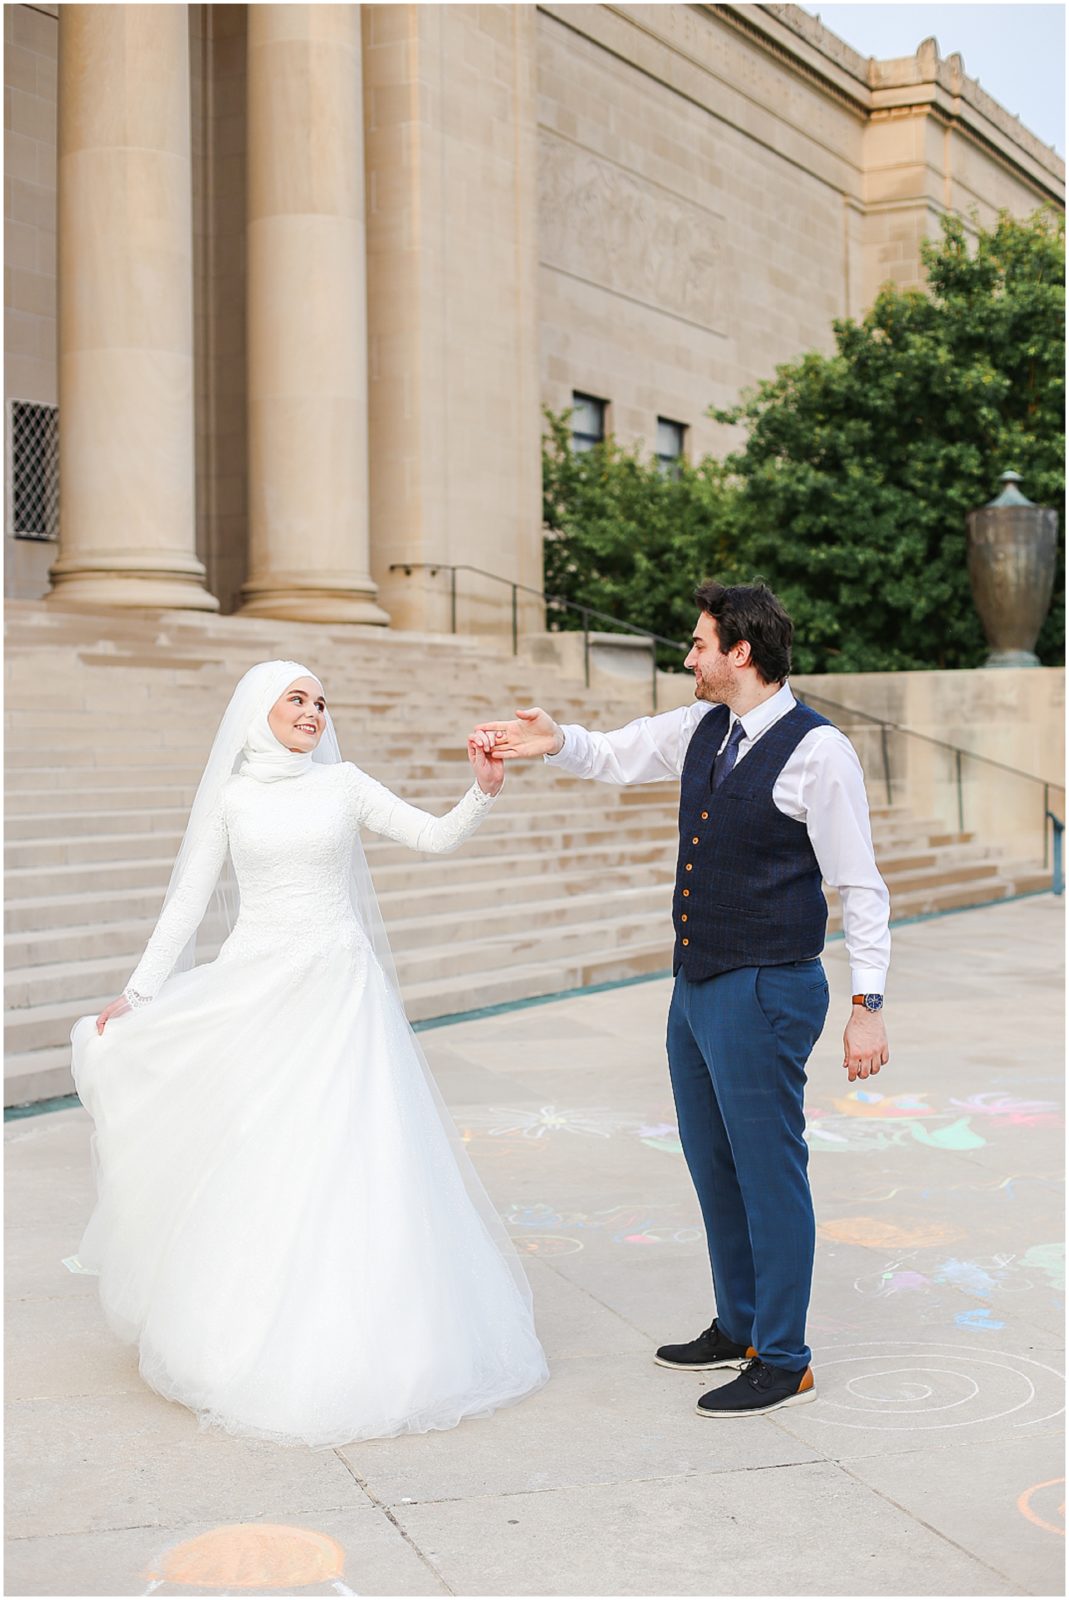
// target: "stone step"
[[404, 868], [41, 814], [971, 874], [31, 1075], [926, 901], [424, 917], [128, 853]]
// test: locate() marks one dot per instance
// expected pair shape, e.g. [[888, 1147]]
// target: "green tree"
[[626, 539], [859, 467]]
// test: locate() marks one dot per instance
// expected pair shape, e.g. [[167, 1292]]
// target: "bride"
[[287, 1223]]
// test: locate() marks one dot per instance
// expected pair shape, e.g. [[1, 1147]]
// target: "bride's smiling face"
[[298, 717]]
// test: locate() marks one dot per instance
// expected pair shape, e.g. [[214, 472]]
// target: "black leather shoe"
[[710, 1349], [758, 1389]]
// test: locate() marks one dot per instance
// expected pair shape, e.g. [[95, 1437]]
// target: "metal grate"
[[34, 470]]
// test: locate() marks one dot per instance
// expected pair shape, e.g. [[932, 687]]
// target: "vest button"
[[695, 840], [686, 941], [689, 867], [705, 816], [683, 918], [685, 892]]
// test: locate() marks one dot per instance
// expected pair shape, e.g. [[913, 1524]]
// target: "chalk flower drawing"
[[599, 1122]]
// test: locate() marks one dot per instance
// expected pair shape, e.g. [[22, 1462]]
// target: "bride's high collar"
[[267, 759]]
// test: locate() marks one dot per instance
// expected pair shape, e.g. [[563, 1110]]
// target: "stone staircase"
[[109, 718]]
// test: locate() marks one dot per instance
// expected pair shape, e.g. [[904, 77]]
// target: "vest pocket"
[[727, 908]]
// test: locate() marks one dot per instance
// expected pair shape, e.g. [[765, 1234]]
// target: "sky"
[[1017, 51]]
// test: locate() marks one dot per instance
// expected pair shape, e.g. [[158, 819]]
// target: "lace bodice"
[[291, 844]]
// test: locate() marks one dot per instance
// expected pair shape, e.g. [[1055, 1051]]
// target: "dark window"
[[588, 422], [670, 439], [34, 470]]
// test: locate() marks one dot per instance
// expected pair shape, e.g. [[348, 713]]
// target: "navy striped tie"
[[729, 755]]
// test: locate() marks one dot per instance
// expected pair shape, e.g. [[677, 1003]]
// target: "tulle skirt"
[[286, 1223]]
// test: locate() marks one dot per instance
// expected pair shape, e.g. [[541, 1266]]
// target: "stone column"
[[127, 525], [450, 119], [307, 317]]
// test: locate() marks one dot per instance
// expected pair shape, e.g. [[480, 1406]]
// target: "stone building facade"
[[321, 266]]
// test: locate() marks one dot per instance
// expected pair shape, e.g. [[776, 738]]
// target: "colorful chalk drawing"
[[1048, 1259], [1051, 1497], [978, 1317], [862, 1121], [867, 1120], [876, 1235], [898, 1386], [990, 1280], [1018, 1113], [252, 1556], [624, 1224], [660, 1136]]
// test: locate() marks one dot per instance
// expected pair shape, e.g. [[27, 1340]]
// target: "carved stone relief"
[[614, 229]]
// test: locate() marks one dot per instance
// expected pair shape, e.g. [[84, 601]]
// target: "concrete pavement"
[[931, 1462]]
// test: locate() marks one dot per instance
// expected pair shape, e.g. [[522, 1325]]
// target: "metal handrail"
[[587, 612], [1058, 828]]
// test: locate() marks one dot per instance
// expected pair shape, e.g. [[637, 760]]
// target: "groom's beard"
[[707, 691]]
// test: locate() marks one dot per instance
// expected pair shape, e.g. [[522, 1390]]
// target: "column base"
[[297, 601], [175, 588]]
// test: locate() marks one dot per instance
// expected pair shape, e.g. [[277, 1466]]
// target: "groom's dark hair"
[[752, 613]]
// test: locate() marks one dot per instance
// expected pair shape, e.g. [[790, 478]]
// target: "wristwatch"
[[871, 1002]]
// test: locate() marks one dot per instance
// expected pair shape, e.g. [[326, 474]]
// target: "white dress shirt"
[[821, 785]]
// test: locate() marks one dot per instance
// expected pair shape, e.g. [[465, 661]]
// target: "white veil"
[[252, 699]]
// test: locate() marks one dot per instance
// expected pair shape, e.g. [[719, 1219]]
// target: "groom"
[[772, 801]]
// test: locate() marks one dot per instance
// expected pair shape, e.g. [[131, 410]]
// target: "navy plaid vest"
[[748, 887]]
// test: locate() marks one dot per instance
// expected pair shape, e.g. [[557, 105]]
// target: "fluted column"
[[127, 526], [307, 317]]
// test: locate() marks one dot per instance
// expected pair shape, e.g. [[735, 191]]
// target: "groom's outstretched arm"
[[645, 751]]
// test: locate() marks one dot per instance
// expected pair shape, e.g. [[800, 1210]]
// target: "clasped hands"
[[534, 734]]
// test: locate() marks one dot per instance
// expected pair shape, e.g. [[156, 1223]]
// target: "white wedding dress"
[[287, 1224]]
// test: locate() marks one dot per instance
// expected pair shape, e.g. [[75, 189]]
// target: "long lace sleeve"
[[377, 808], [182, 914]]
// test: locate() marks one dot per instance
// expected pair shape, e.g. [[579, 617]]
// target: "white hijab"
[[244, 743], [266, 757]]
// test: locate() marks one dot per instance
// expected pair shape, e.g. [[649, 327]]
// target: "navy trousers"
[[737, 1051]]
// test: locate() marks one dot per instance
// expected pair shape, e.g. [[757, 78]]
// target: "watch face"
[[874, 1002]]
